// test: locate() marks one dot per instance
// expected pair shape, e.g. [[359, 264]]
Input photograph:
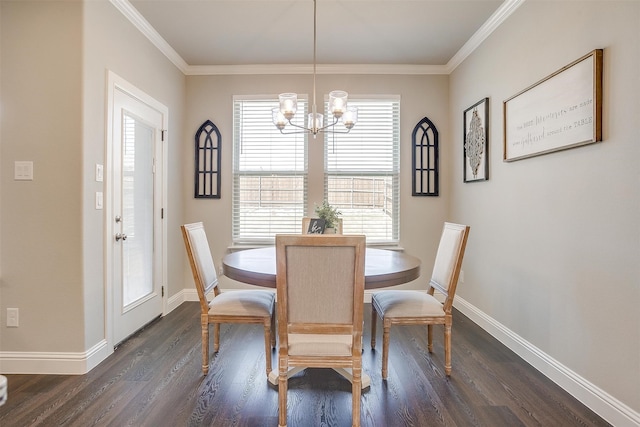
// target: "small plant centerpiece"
[[330, 215]]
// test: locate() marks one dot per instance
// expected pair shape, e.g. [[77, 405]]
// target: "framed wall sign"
[[561, 111], [476, 141]]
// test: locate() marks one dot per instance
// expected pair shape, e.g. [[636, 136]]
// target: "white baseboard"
[[599, 401], [63, 363]]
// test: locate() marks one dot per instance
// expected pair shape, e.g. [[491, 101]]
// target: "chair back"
[[448, 261], [320, 285], [202, 265]]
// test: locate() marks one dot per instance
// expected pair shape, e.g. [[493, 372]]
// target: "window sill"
[[242, 247]]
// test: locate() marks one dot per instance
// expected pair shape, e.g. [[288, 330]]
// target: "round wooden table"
[[382, 267]]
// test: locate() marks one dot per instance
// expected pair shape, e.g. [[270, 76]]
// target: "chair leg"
[[282, 391], [386, 328], [430, 338], [356, 391], [374, 318], [273, 330], [216, 337], [204, 324], [268, 333], [447, 349]]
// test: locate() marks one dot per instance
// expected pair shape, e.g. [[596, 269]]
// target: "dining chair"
[[237, 306], [307, 219], [414, 307], [320, 291]]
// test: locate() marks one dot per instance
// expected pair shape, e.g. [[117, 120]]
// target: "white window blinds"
[[362, 171], [269, 173]]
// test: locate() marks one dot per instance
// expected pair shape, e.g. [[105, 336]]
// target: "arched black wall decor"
[[207, 163], [424, 158]]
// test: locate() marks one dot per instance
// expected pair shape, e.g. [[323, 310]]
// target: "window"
[[269, 173], [362, 171]]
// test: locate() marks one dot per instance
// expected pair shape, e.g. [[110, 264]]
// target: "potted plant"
[[330, 215]]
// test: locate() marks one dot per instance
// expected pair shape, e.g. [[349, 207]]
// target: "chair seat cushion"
[[243, 303], [319, 345], [404, 303]]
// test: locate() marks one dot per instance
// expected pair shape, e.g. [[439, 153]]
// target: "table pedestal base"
[[345, 372]]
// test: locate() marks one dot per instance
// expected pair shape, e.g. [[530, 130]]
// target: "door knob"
[[121, 236]]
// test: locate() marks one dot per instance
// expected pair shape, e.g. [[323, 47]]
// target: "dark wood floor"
[[155, 379]]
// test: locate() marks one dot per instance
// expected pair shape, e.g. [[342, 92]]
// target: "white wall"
[[41, 122], [55, 57], [555, 242], [211, 97]]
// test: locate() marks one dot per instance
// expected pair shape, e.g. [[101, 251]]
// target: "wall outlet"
[[12, 317], [461, 277]]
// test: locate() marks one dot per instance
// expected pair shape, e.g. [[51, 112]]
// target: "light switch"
[[98, 199], [23, 171], [12, 317], [99, 173]]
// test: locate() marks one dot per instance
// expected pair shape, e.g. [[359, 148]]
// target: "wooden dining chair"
[[237, 306], [320, 288], [414, 307]]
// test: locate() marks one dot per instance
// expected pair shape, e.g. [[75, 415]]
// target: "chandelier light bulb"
[[288, 104], [350, 117], [316, 121], [338, 102], [278, 118]]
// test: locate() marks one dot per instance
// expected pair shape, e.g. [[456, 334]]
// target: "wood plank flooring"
[[155, 379]]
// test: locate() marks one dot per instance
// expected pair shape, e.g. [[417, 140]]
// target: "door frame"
[[116, 82]]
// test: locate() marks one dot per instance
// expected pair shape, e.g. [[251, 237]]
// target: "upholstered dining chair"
[[237, 306], [320, 291], [414, 307]]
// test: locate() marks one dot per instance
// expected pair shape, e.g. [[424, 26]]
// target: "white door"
[[135, 213]]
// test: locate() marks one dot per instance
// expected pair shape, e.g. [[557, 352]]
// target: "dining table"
[[383, 268]]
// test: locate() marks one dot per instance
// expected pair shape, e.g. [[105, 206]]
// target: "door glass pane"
[[137, 202]]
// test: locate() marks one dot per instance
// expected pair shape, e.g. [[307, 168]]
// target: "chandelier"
[[338, 107]]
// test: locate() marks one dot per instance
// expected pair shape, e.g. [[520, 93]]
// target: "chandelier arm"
[[307, 130], [298, 126], [304, 130], [335, 122], [322, 129], [334, 131]]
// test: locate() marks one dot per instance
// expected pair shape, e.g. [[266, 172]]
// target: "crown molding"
[[499, 16], [404, 69], [147, 30]]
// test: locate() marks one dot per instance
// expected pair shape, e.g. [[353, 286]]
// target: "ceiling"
[[209, 35]]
